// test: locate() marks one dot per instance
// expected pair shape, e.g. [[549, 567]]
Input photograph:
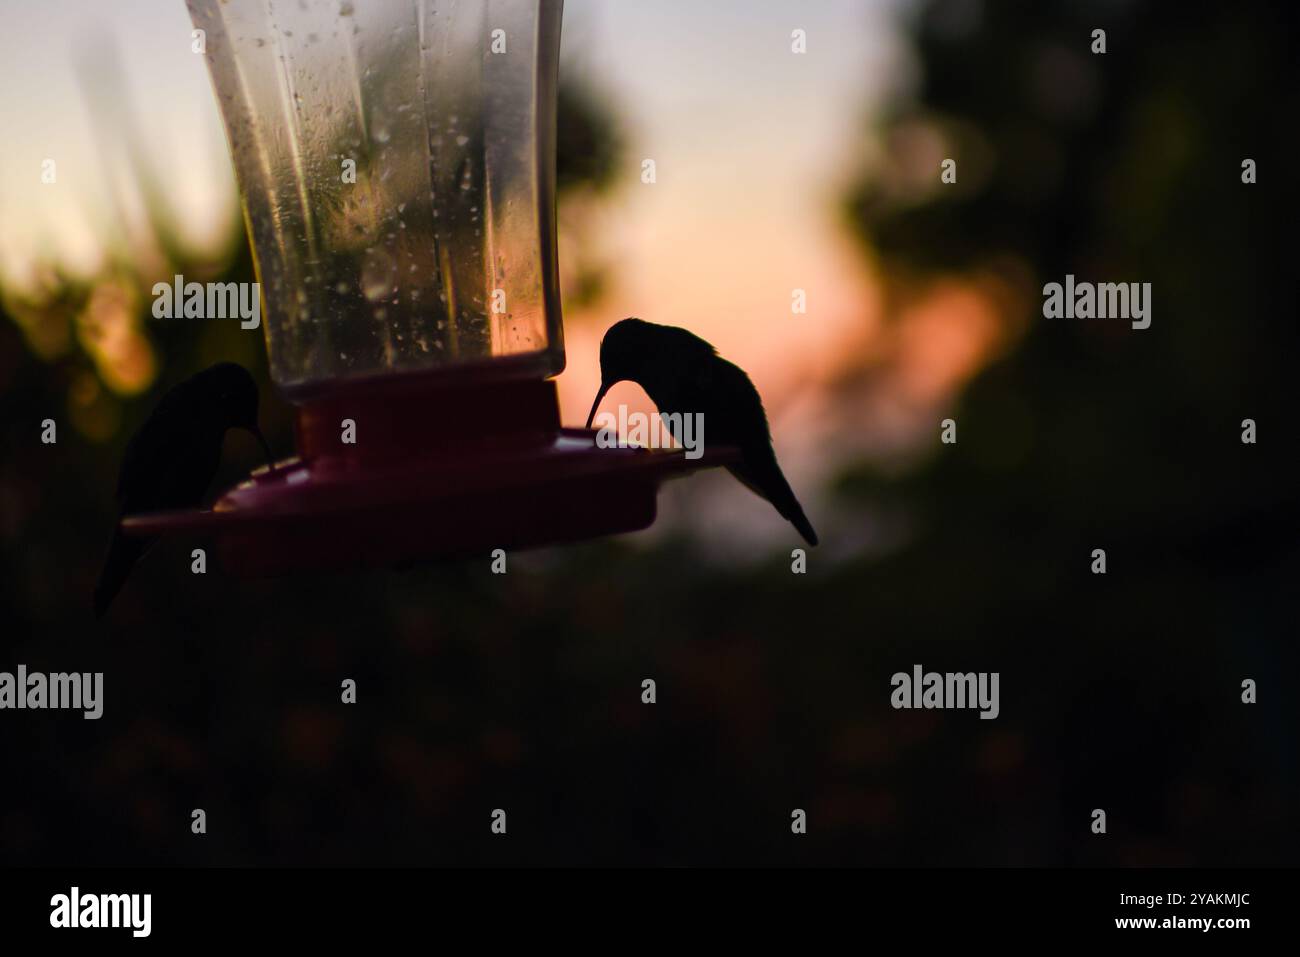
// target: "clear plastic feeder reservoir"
[[396, 167]]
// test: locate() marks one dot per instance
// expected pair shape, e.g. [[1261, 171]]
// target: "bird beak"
[[604, 387], [266, 447]]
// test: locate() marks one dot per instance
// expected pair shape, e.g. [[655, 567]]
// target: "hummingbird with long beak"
[[684, 374], [173, 458]]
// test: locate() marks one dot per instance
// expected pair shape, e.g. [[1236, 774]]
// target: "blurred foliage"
[[523, 691], [591, 146], [588, 143], [1123, 166]]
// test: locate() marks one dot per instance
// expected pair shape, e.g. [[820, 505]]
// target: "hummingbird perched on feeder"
[[170, 462], [684, 375]]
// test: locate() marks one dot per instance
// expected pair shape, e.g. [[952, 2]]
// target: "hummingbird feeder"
[[396, 165]]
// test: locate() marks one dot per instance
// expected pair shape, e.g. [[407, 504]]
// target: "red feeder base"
[[435, 470]]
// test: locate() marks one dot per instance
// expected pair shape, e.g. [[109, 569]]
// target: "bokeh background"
[[776, 172]]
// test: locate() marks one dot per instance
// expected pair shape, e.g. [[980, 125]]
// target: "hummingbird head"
[[229, 397], [625, 347]]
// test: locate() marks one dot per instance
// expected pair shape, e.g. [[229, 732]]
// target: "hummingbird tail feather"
[[804, 527], [767, 481], [123, 553]]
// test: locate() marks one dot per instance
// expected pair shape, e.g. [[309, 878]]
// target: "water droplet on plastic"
[[377, 274]]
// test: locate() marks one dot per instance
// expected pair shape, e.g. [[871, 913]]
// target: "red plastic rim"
[[433, 473]]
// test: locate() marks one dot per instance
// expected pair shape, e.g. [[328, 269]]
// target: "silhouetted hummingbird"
[[171, 461], [684, 374]]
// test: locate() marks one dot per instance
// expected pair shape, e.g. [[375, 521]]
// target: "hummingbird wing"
[[163, 429], [762, 475], [733, 415], [172, 459], [169, 463], [744, 424], [123, 552]]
